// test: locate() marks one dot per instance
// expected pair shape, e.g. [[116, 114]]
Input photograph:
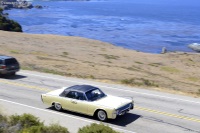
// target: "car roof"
[[5, 57], [81, 88]]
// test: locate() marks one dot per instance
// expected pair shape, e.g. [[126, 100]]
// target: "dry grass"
[[85, 58]]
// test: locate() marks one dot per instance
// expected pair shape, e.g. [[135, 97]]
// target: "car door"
[[80, 103], [68, 101]]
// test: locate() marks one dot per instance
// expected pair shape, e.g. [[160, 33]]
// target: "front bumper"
[[123, 110]]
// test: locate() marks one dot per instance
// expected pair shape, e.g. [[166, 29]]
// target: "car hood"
[[113, 101]]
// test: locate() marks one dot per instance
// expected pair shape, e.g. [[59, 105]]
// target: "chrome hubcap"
[[101, 115], [57, 106]]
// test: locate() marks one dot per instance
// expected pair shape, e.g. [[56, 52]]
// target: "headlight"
[[131, 105], [117, 111]]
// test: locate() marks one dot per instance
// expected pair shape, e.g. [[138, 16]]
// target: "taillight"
[[3, 67]]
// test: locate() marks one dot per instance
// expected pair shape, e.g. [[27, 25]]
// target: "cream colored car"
[[88, 100]]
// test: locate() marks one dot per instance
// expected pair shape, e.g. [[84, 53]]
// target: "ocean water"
[[142, 25]]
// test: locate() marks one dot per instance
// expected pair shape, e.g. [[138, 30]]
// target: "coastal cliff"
[[7, 24]]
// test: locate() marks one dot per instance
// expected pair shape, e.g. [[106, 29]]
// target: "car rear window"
[[11, 61], [1, 62]]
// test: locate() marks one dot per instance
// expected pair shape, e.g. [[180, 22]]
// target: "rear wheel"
[[101, 115], [57, 106]]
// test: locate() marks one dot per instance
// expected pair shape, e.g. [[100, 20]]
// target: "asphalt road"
[[154, 112]]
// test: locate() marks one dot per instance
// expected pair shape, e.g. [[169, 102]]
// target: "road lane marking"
[[67, 115], [136, 107], [168, 114], [24, 85], [141, 93]]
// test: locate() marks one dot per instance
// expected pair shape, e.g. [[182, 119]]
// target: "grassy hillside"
[[175, 72]]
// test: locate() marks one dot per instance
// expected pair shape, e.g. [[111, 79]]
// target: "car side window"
[[71, 94], [80, 96], [76, 95]]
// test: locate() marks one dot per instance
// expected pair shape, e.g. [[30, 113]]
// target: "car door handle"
[[74, 102]]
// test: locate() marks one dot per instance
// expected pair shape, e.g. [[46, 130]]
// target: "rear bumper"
[[4, 71]]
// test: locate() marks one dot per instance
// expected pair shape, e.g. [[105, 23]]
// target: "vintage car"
[[88, 100]]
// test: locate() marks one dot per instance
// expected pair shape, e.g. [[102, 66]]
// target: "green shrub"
[[54, 128], [96, 128], [7, 24], [3, 118], [170, 69], [128, 81], [110, 56], [139, 82], [33, 129], [26, 120], [198, 93], [29, 124], [1, 11]]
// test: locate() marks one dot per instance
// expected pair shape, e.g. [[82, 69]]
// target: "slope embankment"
[[175, 72]]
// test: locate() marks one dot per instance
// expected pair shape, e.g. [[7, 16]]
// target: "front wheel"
[[101, 115], [57, 106]]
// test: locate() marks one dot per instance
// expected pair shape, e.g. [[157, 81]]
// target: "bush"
[[55, 128], [3, 118], [96, 128], [28, 123], [1, 11], [26, 120], [8, 25], [33, 129], [139, 82]]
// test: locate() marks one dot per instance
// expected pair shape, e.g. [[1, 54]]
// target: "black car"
[[8, 65]]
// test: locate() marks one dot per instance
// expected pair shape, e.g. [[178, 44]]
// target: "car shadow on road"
[[119, 121], [13, 77], [124, 119]]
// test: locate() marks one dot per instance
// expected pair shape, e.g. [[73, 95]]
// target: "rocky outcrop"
[[38, 7], [24, 6], [4, 7], [195, 46], [21, 4]]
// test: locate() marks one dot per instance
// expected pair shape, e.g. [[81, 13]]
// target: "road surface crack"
[[171, 124], [181, 111]]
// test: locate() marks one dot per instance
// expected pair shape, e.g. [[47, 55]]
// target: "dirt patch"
[[176, 72]]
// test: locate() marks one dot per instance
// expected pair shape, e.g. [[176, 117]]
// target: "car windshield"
[[95, 94]]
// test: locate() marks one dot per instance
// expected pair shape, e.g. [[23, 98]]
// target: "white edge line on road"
[[115, 88], [57, 113]]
